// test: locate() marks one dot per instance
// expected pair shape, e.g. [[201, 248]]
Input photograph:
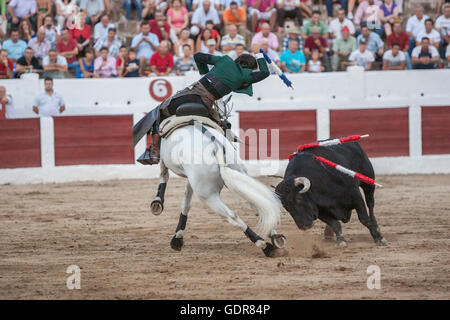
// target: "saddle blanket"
[[172, 123]]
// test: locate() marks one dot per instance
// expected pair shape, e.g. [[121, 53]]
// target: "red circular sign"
[[160, 89]]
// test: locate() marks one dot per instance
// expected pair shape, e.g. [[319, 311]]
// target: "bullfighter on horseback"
[[226, 76]]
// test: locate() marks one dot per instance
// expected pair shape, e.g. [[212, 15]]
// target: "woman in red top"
[[81, 33]]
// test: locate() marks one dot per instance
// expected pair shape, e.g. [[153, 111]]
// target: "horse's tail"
[[266, 202]]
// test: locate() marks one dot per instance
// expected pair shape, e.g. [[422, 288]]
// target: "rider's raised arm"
[[203, 59], [263, 69]]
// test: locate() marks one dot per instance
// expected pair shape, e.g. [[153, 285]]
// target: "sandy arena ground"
[[123, 250]]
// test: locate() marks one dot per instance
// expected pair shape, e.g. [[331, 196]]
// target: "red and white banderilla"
[[331, 142], [348, 172]]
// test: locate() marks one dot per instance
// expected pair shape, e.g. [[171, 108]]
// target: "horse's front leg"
[[177, 241], [157, 205]]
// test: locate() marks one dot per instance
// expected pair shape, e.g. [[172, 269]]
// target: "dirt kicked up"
[[123, 251]]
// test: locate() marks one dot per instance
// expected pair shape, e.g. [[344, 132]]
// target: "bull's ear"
[[302, 182]]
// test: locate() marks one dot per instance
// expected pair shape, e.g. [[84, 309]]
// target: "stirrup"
[[147, 158]]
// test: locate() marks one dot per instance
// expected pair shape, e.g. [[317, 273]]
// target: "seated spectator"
[[330, 3], [315, 22], [131, 69], [265, 33], [81, 33], [111, 41], [105, 65], [198, 3], [28, 63], [68, 48], [425, 56], [49, 103], [272, 54], [161, 62], [315, 42], [443, 27], [389, 14], [336, 25], [183, 40], [128, 4], [293, 60], [262, 10], [93, 9], [202, 14], [230, 40], [240, 49], [145, 44], [314, 64], [200, 45], [14, 45], [430, 33], [236, 15], [22, 10], [214, 33], [211, 44], [44, 8], [159, 26], [186, 63], [101, 28], [6, 65], [85, 67], [121, 60], [373, 42], [361, 56], [398, 36], [369, 14], [415, 25], [55, 66], [177, 17], [51, 33], [25, 31], [289, 9], [64, 10], [149, 8], [394, 59], [342, 48], [40, 45], [7, 101], [294, 33]]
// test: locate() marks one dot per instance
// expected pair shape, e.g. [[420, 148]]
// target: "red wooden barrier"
[[20, 143], [295, 127], [93, 140], [388, 129], [436, 130]]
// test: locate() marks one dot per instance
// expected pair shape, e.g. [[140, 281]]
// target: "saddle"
[[186, 115]]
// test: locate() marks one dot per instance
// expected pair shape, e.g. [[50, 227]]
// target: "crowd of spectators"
[[76, 38]]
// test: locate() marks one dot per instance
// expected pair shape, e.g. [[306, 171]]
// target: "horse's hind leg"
[[177, 241], [216, 203], [157, 205]]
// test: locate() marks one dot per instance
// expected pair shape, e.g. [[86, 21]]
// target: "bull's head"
[[294, 195]]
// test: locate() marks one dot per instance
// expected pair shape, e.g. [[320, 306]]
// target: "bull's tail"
[[262, 198]]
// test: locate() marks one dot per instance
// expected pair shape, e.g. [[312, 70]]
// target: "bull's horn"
[[304, 182]]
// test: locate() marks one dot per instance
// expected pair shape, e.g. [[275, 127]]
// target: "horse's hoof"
[[176, 243], [157, 207], [279, 241], [269, 250], [342, 244], [381, 242]]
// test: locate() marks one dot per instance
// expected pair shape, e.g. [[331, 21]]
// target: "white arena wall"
[[414, 92]]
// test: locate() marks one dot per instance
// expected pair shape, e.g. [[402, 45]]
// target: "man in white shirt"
[[394, 59], [101, 29], [205, 13], [361, 56], [415, 25], [6, 101], [337, 24], [443, 27], [430, 33], [425, 56], [49, 103], [198, 3], [93, 9]]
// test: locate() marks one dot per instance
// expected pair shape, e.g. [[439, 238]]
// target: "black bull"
[[311, 190]]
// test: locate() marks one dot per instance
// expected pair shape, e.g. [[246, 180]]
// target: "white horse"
[[209, 161]]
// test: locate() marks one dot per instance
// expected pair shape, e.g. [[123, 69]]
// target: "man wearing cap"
[[342, 48], [226, 76], [373, 42], [336, 25], [293, 33], [211, 45], [361, 56]]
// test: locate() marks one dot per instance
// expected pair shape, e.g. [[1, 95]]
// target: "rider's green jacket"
[[231, 74]]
